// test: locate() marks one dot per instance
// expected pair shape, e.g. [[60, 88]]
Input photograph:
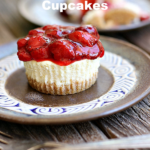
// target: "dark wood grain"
[[133, 121], [90, 132], [67, 134]]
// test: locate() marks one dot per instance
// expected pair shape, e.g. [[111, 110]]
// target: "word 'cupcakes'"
[[73, 6]]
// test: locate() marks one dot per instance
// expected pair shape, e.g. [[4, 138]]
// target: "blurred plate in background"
[[32, 10]]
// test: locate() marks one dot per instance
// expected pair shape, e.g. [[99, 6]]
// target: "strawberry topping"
[[62, 45], [62, 50], [84, 38], [35, 43], [24, 55], [89, 29], [40, 54], [21, 43]]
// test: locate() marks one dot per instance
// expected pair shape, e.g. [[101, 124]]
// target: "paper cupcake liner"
[[54, 89], [47, 77]]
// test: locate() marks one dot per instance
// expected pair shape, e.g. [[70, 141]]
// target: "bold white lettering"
[[44, 5], [63, 6], [96, 6], [88, 6], [55, 6], [71, 6], [104, 6], [79, 6]]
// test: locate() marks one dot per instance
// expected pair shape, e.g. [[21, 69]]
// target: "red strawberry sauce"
[[62, 45]]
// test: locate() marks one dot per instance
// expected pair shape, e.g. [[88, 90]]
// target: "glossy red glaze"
[[84, 38], [60, 44], [89, 29], [144, 17]]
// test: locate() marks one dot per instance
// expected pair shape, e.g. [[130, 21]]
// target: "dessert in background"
[[119, 12], [61, 60]]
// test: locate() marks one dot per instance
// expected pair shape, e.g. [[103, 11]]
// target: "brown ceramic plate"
[[122, 82], [33, 11]]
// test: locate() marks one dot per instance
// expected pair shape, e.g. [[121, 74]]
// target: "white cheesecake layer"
[[48, 72]]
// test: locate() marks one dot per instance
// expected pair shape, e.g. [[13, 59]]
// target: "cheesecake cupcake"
[[61, 60]]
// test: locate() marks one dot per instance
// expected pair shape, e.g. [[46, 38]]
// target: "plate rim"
[[16, 117], [123, 29]]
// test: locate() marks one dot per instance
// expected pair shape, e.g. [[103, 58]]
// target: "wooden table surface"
[[133, 121]]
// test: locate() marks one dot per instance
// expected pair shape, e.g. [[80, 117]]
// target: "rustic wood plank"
[[90, 132], [133, 121], [140, 38], [3, 141], [142, 114], [38, 133], [16, 131], [5, 134], [132, 124], [110, 129], [20, 145], [51, 133], [137, 142], [66, 134]]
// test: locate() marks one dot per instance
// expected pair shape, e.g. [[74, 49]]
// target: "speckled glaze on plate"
[[33, 11], [123, 81]]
